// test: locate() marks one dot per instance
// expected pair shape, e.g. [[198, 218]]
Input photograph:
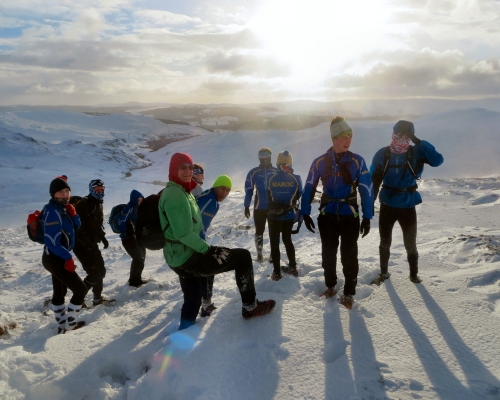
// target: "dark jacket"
[[91, 231], [128, 216]]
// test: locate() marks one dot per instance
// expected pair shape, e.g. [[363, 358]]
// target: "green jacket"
[[178, 210]]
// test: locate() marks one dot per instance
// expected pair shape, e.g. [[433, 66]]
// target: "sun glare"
[[316, 37]]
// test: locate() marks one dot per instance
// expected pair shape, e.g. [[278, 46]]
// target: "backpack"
[[35, 226], [114, 216]]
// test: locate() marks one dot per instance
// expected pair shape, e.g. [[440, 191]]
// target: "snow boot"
[[290, 270], [413, 261], [206, 310], [103, 300], [346, 301], [138, 284], [276, 276], [257, 309], [60, 314], [381, 278]]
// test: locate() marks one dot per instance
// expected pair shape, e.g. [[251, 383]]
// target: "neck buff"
[[173, 170], [399, 145]]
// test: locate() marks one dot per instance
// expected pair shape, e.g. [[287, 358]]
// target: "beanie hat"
[[173, 170], [96, 182], [59, 183], [223, 180], [339, 129], [284, 158], [93, 184], [404, 128], [265, 152]]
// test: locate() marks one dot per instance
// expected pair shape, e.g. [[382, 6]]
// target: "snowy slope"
[[437, 340]]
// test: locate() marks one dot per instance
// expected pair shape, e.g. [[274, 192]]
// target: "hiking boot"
[[276, 276], [290, 270], [346, 301], [206, 312], [103, 300], [262, 308], [328, 293], [138, 284], [78, 325], [415, 278], [381, 278]]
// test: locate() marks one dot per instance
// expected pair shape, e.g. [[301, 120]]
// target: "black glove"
[[414, 139], [309, 223], [105, 242], [221, 254], [365, 227], [247, 212]]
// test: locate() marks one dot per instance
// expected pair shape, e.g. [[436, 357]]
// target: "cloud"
[[245, 65], [164, 18]]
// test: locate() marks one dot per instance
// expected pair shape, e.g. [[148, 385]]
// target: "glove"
[[70, 209], [247, 212], [414, 139], [365, 227], [309, 223], [105, 242], [69, 265], [221, 254]]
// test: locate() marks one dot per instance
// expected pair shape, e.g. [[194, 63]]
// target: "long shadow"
[[444, 382], [481, 381]]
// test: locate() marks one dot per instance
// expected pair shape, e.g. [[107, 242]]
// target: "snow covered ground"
[[436, 340]]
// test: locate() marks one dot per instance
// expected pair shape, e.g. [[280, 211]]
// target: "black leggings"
[[260, 217], [62, 279], [138, 254], [285, 228], [93, 264]]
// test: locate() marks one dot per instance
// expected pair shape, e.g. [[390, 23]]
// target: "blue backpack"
[[115, 216]]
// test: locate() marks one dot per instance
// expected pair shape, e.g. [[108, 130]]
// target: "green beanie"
[[223, 180]]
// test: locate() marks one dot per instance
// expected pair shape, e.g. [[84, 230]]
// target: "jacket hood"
[[134, 198], [173, 170]]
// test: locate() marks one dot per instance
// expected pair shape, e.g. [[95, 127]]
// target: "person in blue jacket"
[[60, 221], [342, 173], [284, 191], [208, 203], [398, 167], [258, 178], [126, 224]]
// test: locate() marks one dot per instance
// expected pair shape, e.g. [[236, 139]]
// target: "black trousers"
[[344, 230], [407, 219], [93, 264], [207, 287], [138, 254], [283, 227], [199, 266], [62, 279], [260, 218]]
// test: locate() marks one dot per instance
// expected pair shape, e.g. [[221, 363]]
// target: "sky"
[[115, 51]]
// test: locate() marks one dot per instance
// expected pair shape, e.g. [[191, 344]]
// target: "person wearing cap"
[[342, 173], [88, 237], [284, 191], [190, 256], [60, 221], [258, 178], [198, 177], [398, 167], [208, 202]]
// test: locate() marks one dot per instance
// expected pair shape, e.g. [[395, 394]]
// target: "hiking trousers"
[[138, 254], [93, 264], [283, 227], [343, 229]]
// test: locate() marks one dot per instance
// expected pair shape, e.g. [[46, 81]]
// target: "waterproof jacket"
[[128, 216], [59, 230], [209, 206], [400, 177], [284, 191], [181, 217], [336, 187], [258, 178], [91, 231]]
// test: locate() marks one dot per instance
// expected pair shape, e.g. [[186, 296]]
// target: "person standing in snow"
[[258, 178], [398, 167], [126, 224], [191, 257], [208, 202], [60, 221], [198, 177], [90, 234], [342, 174], [284, 191]]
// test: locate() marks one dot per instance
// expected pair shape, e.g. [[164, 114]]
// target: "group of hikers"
[[186, 212]]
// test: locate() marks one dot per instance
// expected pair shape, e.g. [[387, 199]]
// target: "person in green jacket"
[[191, 257]]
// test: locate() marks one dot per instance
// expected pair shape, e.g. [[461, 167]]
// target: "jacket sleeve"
[[365, 186], [52, 222], [428, 151], [208, 209], [309, 189], [125, 216], [249, 185], [299, 189]]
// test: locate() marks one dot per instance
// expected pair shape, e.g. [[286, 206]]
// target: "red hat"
[[173, 170]]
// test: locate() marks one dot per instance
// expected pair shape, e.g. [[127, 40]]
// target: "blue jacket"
[[285, 189], [258, 177], [401, 177], [209, 206], [335, 186], [128, 216], [59, 230]]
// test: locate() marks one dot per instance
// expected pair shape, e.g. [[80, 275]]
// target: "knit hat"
[[93, 184], [265, 152], [404, 128], [223, 180], [284, 158], [59, 183], [339, 129]]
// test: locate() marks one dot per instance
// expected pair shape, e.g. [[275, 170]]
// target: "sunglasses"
[[186, 166]]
